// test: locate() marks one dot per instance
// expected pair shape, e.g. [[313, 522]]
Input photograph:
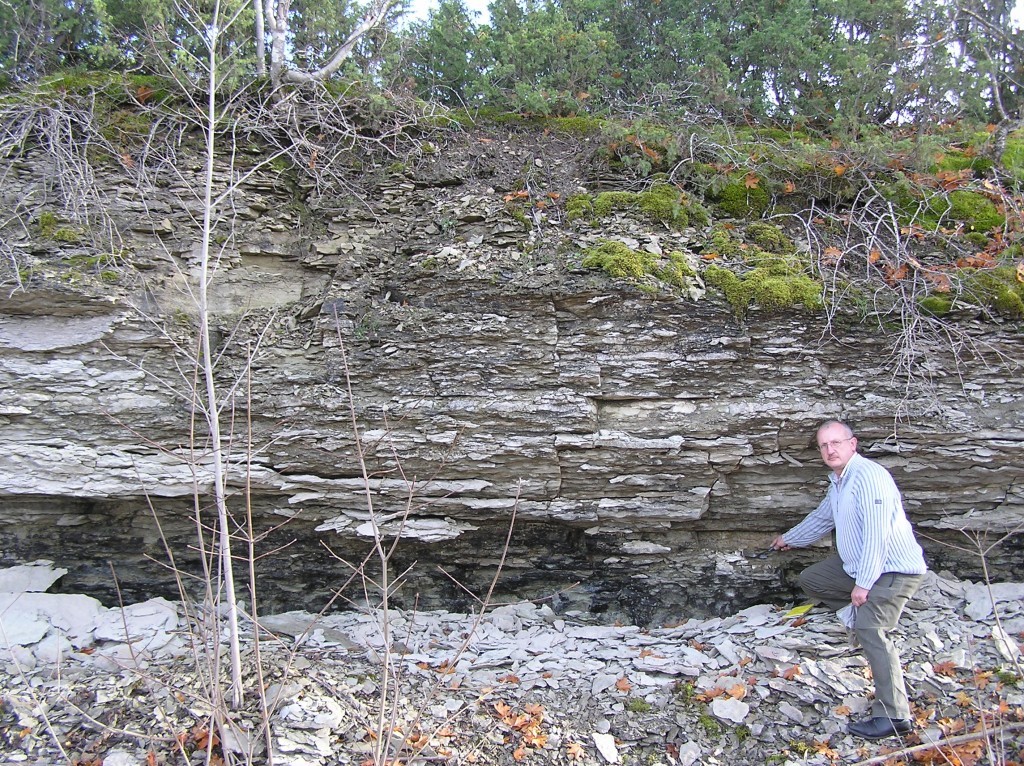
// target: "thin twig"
[[958, 740]]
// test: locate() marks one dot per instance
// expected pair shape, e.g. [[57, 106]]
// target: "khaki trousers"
[[826, 581]]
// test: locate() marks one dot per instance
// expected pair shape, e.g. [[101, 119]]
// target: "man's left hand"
[[859, 595]]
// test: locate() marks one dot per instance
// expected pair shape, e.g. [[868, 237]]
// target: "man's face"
[[836, 446]]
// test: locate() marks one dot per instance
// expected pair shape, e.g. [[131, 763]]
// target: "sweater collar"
[[838, 480]]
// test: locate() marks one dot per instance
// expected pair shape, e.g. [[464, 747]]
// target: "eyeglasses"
[[834, 444]]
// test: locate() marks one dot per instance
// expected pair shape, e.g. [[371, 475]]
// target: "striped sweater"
[[873, 534]]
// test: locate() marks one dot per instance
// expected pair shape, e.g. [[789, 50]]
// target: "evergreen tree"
[[540, 61], [443, 55], [38, 37], [994, 50]]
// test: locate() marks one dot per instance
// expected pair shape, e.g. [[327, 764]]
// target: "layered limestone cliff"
[[637, 450]]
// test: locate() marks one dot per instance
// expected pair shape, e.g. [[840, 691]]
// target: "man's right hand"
[[779, 544]]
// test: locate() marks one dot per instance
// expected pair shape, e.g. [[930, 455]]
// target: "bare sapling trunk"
[[210, 401]]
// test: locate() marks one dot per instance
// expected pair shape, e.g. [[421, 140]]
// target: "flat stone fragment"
[[770, 632], [605, 744], [119, 757], [689, 752], [144, 620], [730, 709], [775, 654], [1008, 649], [27, 617], [35, 578], [602, 683], [792, 712]]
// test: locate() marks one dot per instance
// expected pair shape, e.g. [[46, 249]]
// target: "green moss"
[[663, 202], [578, 126], [649, 272], [47, 224], [997, 289], [723, 244], [86, 261], [972, 212], [737, 199], [685, 691], [772, 288], [149, 87], [955, 161], [124, 125], [772, 250], [936, 305], [710, 725], [579, 206], [770, 238], [113, 88], [773, 293], [454, 119], [975, 211], [637, 705], [67, 235], [519, 215], [1009, 303], [780, 135], [666, 203], [79, 82], [904, 198], [617, 260], [1008, 677], [282, 163], [498, 116], [730, 285], [53, 228], [607, 202], [777, 264], [802, 748], [1013, 156], [676, 271]]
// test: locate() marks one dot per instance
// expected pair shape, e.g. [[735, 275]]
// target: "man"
[[879, 566]]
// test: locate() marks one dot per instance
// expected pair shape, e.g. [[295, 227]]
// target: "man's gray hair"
[[836, 422]]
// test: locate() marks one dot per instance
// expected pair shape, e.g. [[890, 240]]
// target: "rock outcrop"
[[633, 448]]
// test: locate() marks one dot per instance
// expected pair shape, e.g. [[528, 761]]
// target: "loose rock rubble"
[[521, 684]]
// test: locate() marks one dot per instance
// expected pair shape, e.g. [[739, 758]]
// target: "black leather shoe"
[[880, 727]]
